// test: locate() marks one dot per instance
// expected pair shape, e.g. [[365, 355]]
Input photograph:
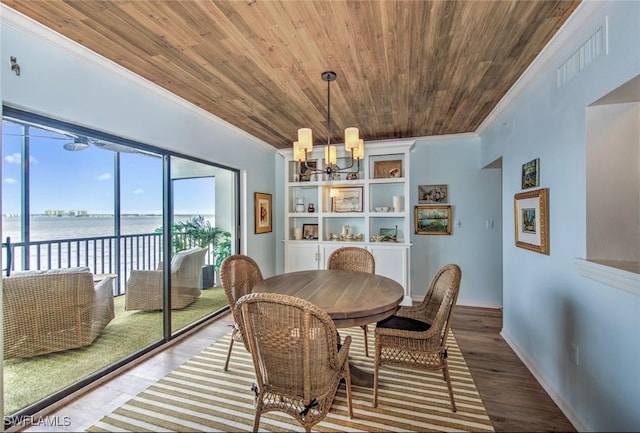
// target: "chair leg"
[[447, 378], [376, 367], [348, 387], [366, 340], [226, 364], [256, 422]]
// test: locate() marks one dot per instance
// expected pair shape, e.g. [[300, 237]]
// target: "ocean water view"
[[45, 228], [139, 247]]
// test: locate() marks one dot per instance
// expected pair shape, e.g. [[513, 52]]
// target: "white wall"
[[63, 80], [548, 305], [474, 194]]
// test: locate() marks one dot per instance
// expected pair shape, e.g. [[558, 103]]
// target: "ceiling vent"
[[588, 52]]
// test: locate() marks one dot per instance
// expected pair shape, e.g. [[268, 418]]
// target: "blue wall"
[[548, 305]]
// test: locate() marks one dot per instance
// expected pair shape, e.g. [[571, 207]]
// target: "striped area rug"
[[201, 396]]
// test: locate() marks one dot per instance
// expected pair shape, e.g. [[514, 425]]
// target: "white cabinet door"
[[301, 256], [392, 262]]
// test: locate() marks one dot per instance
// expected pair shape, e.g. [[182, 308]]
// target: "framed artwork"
[[347, 199], [263, 212], [531, 174], [531, 216], [310, 231], [432, 194], [389, 235], [432, 220], [305, 173], [384, 169]]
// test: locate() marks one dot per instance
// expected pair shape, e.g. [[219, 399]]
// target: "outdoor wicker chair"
[[297, 361], [144, 287], [416, 336], [238, 273], [55, 310], [353, 259]]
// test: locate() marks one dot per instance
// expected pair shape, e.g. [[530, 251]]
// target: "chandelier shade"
[[353, 144]]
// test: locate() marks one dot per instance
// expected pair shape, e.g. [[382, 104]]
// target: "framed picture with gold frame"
[[432, 220], [531, 217], [263, 212]]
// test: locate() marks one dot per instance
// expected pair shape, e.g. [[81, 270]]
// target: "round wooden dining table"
[[350, 298]]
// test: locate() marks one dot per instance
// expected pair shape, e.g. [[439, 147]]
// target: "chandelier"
[[353, 144]]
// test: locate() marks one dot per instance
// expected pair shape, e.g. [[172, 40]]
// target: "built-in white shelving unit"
[[362, 200]]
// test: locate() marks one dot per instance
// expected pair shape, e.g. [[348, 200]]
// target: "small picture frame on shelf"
[[432, 220], [388, 234], [310, 231], [387, 169], [347, 199], [307, 170]]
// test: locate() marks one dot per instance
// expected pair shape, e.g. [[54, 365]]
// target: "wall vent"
[[588, 52]]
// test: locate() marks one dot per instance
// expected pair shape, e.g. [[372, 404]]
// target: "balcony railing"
[[101, 254]]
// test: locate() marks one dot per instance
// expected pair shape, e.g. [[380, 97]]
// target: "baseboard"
[[566, 408]]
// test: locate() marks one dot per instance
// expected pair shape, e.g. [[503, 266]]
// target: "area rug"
[[201, 396]]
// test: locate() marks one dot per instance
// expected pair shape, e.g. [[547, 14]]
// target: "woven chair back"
[[239, 273], [441, 298], [293, 344], [352, 259]]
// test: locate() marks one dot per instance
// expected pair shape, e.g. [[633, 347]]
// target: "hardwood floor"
[[514, 400]]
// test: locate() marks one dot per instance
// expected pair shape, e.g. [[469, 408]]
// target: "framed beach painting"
[[263, 212], [531, 216], [346, 199], [432, 220]]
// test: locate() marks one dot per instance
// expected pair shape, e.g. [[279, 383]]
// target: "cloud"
[[14, 158], [10, 180], [138, 191], [104, 176]]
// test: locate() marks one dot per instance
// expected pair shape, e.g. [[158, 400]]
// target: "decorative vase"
[[345, 231], [397, 203], [311, 208], [299, 205]]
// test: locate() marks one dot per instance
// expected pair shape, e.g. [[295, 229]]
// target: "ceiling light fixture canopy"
[[78, 143], [352, 142]]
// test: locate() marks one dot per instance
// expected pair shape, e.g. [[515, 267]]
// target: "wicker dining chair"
[[238, 274], [298, 363], [416, 336], [353, 259]]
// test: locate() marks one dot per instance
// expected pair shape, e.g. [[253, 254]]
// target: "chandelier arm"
[[330, 168]]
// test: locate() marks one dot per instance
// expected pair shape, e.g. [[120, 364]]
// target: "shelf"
[[376, 190]]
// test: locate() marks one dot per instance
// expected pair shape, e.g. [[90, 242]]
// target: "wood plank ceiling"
[[405, 68]]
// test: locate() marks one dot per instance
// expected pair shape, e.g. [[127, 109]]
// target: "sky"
[[83, 180]]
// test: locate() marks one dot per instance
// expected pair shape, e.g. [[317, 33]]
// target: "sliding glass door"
[[202, 233], [105, 226]]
